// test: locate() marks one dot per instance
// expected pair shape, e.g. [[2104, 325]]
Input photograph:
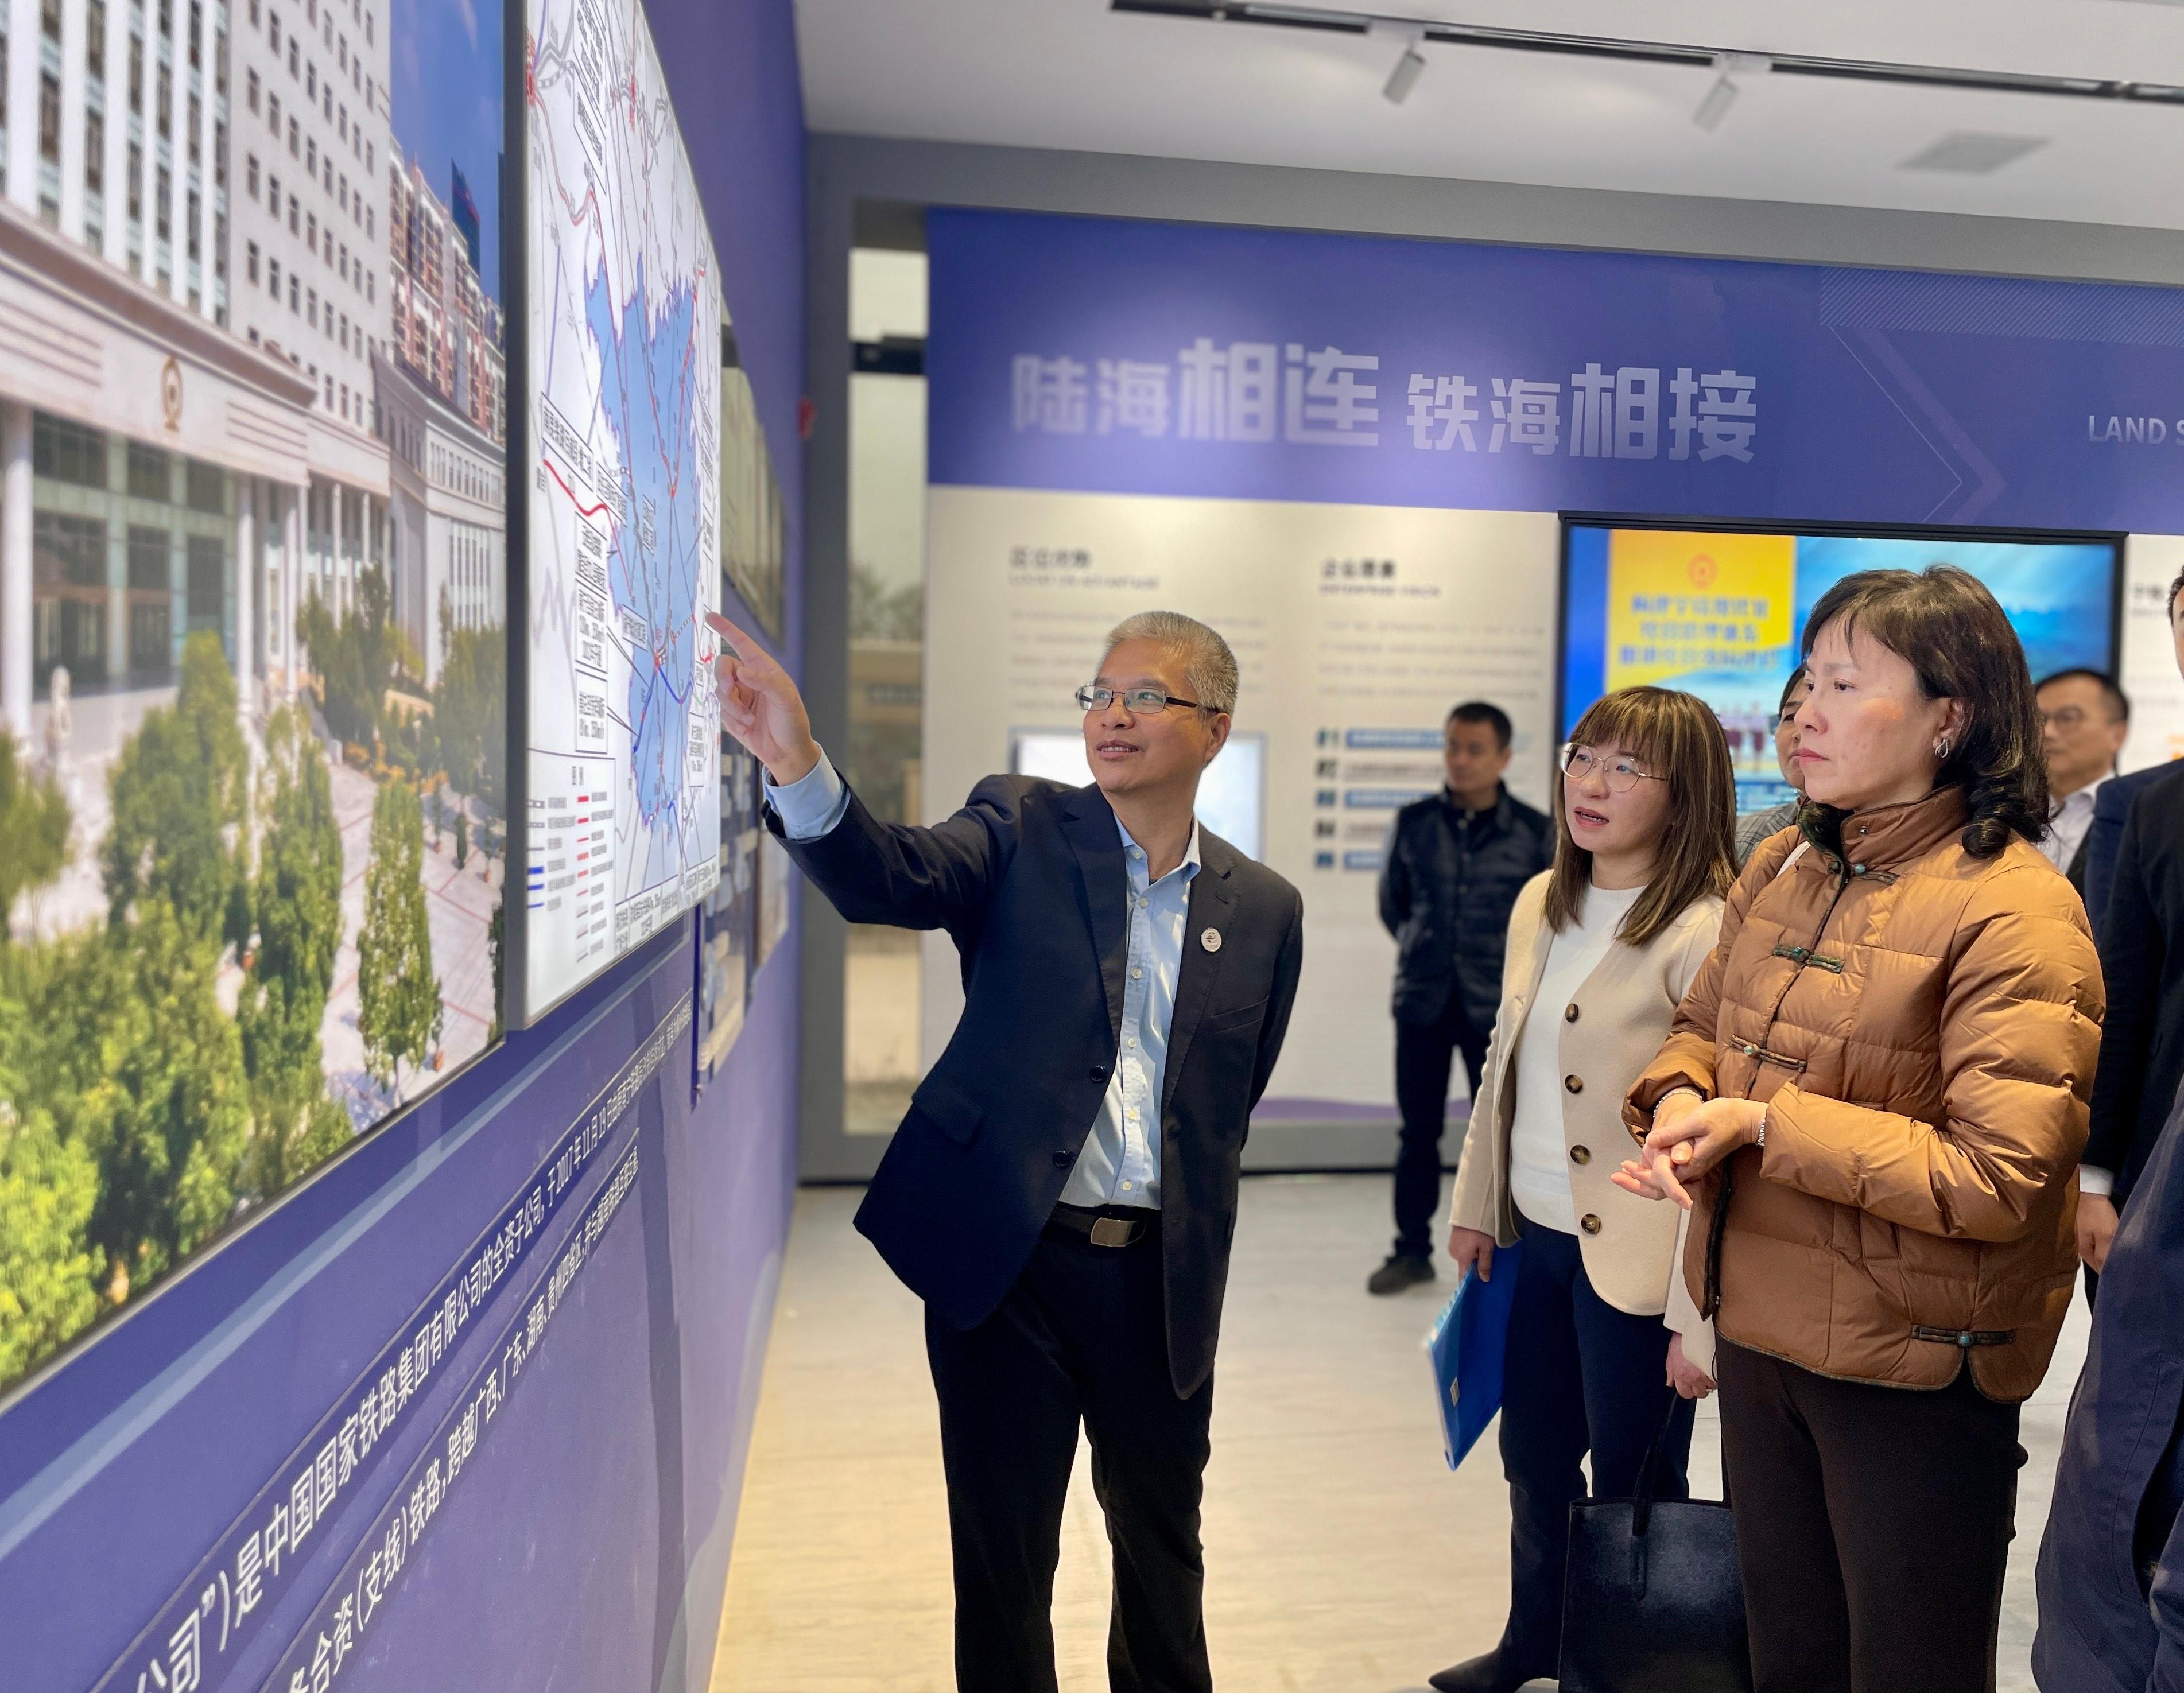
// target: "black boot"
[[1483, 1674], [1402, 1271]]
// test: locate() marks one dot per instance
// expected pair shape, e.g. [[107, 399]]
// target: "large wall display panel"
[[1349, 623], [623, 401], [467, 1408], [253, 766], [733, 932], [1722, 613]]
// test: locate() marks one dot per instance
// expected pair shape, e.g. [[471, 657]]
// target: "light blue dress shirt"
[[1121, 1162]]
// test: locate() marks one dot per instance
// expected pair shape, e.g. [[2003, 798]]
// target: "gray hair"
[[1209, 667]]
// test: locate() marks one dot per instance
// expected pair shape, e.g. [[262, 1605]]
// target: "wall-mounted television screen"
[[1721, 612]]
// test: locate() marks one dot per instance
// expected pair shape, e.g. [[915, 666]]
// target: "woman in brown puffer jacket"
[[1875, 1093]]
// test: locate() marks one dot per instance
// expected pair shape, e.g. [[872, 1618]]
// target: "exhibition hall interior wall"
[[435, 1363], [875, 191], [1354, 456]]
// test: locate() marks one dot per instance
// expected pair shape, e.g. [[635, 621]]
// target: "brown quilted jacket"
[[1922, 1026]]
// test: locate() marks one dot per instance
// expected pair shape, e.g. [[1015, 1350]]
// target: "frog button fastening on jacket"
[[1569, 1012], [1581, 1155], [1573, 1084], [1589, 1224]]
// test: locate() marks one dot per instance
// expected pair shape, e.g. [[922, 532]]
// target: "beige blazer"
[[1608, 1034]]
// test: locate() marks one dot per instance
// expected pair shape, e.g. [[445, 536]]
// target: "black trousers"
[[1081, 1338], [1580, 1377], [1873, 1527], [1424, 1055]]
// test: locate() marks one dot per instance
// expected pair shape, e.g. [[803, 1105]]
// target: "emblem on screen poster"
[[170, 391]]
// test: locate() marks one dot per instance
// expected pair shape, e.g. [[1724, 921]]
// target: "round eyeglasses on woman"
[[1143, 702], [1622, 772]]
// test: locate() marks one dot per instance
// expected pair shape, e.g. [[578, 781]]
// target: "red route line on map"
[[582, 511]]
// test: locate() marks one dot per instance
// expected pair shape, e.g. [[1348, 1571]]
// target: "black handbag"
[[1652, 1602]]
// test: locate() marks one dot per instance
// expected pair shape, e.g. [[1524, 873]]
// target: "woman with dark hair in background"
[[1875, 1094], [1600, 951]]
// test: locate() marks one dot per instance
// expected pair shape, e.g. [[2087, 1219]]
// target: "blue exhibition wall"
[[477, 1396], [1105, 356]]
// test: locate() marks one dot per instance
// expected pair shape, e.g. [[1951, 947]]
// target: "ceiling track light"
[[1723, 94], [1716, 104], [1634, 50], [1410, 64]]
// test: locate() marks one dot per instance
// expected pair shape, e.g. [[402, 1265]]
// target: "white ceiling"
[[1072, 74]]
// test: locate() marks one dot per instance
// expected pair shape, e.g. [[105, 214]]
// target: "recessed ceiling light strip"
[[1632, 50]]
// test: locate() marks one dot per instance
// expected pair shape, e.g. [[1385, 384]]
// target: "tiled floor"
[[1342, 1557]]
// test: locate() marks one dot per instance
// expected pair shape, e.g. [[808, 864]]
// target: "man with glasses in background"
[[2084, 719], [1062, 1192], [1455, 861]]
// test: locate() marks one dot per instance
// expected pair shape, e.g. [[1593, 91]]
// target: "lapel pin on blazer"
[[1211, 941]]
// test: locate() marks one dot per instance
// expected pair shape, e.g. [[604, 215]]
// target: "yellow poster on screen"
[[1680, 603]]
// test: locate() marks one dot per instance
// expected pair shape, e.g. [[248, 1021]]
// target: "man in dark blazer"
[[2138, 913], [2143, 1036], [1063, 1190], [2110, 1577], [2111, 811]]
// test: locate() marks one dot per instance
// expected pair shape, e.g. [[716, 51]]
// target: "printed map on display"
[[624, 552]]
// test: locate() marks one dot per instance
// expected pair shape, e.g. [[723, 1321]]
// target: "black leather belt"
[[1111, 1226]]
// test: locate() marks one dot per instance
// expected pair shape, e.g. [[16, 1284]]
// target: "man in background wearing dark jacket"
[[1455, 863], [2136, 907]]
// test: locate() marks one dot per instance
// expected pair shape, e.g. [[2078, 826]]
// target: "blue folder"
[[1467, 1345]]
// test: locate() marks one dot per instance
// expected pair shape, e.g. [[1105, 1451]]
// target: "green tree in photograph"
[[180, 793], [354, 658], [462, 838], [34, 831], [48, 1289], [398, 1009], [496, 937], [295, 901], [468, 708], [169, 1123]]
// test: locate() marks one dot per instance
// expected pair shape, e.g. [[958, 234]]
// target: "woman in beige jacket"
[[1601, 949]]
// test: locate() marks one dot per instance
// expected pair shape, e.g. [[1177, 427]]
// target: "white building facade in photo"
[[192, 286], [442, 384]]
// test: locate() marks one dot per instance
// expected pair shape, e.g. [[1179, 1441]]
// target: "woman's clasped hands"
[[1690, 1136]]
